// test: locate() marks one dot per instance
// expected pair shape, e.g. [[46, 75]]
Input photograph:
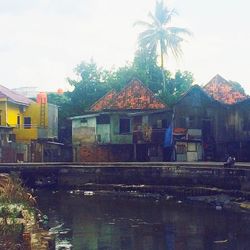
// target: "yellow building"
[[30, 121]]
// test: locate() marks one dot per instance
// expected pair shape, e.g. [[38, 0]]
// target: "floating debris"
[[220, 241], [64, 245], [88, 193], [56, 229], [218, 207]]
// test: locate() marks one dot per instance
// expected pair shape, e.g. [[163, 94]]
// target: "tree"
[[143, 67], [176, 86], [147, 69], [88, 88], [160, 35]]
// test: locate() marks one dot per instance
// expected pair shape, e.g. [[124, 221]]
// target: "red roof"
[[104, 102], [13, 96], [224, 91], [134, 96]]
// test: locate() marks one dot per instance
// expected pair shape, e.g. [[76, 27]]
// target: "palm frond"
[[143, 23], [174, 45], [159, 33], [179, 31], [156, 22], [163, 14]]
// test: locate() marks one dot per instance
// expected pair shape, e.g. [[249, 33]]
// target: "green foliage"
[[12, 191], [63, 102], [89, 88], [147, 69], [143, 67], [160, 35], [92, 83], [176, 86], [65, 110]]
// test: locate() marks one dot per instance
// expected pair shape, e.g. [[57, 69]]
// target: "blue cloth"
[[168, 139]]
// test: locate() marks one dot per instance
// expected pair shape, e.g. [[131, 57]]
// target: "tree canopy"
[[160, 35]]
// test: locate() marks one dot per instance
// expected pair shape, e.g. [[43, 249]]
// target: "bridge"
[[177, 178]]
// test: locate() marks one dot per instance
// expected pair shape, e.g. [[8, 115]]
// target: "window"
[[103, 119], [27, 122], [84, 120], [12, 137], [124, 125], [18, 121]]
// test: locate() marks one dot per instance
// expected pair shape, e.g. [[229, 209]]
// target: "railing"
[[25, 126]]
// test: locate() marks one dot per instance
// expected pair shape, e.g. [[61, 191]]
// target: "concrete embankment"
[[207, 182], [184, 178]]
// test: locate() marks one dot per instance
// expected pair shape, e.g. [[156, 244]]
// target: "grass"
[[12, 191]]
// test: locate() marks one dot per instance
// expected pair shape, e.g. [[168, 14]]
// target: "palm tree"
[[160, 35]]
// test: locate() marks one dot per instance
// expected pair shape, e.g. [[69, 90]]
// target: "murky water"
[[106, 222]]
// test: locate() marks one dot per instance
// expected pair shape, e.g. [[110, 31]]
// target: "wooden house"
[[124, 126], [233, 134], [218, 113], [209, 123], [196, 125]]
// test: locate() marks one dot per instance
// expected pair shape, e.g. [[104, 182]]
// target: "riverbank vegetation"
[[19, 222]]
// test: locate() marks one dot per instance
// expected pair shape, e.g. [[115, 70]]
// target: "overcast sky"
[[42, 41]]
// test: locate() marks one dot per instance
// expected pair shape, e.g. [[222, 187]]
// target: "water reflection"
[[114, 223]]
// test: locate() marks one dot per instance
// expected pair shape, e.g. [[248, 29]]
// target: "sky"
[[42, 41]]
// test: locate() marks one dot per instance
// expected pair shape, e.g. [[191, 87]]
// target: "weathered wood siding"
[[195, 108]]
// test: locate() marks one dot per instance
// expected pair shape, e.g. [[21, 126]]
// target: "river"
[[88, 221]]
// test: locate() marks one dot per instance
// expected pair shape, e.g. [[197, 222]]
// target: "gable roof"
[[195, 87], [133, 96], [104, 102], [223, 91], [13, 96]]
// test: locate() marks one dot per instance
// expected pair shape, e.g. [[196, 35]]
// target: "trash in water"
[[220, 241], [56, 229], [88, 192], [64, 245], [218, 207]]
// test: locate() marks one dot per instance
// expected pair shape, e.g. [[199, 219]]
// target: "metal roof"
[[14, 97]]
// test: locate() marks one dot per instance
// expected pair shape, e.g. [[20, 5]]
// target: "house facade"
[[214, 122], [28, 122], [124, 126], [209, 123], [238, 130], [198, 122]]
